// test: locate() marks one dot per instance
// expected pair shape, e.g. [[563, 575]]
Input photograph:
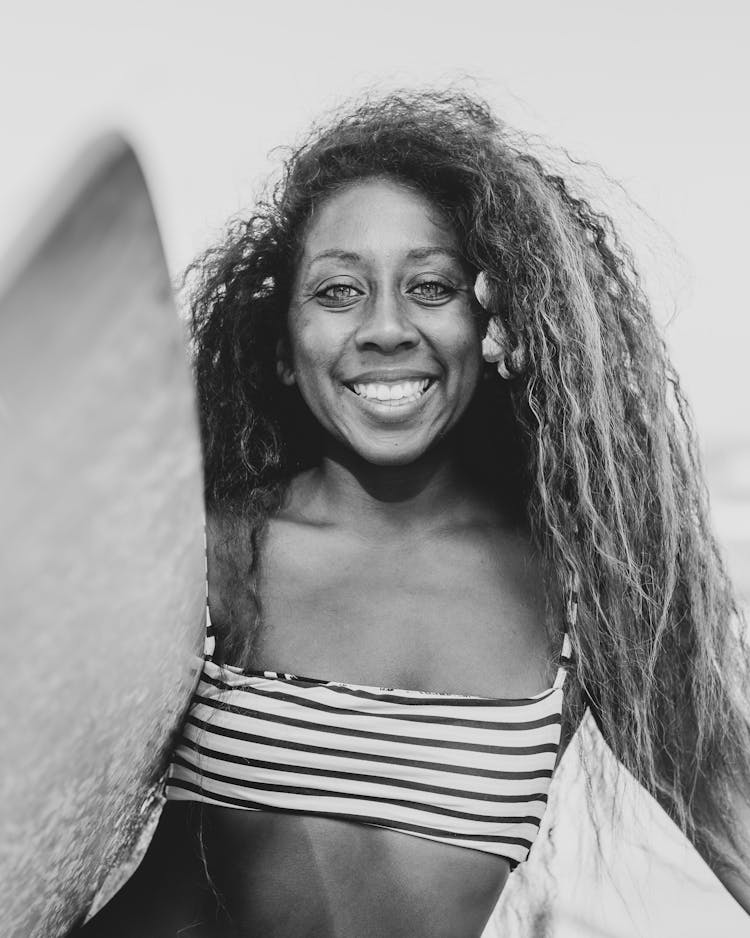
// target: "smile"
[[392, 394]]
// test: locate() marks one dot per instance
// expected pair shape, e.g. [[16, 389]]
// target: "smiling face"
[[384, 345]]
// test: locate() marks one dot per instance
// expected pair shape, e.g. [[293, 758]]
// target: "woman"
[[444, 446]]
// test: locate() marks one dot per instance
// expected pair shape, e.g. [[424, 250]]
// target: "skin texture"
[[394, 296]]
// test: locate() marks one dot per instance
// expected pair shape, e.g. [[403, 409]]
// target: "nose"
[[386, 326]]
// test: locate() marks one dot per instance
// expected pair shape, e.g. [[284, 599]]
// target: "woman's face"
[[385, 348]]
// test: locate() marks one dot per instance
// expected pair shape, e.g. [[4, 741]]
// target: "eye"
[[432, 291], [338, 294]]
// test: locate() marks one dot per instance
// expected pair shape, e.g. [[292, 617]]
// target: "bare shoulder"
[[168, 894]]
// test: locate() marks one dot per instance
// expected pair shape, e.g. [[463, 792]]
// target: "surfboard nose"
[[102, 570]]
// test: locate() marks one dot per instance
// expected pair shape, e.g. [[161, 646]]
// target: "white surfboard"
[[102, 560]]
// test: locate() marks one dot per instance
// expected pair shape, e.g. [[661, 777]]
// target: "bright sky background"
[[654, 92]]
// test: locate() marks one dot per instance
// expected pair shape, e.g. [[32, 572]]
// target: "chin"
[[384, 460], [385, 456]]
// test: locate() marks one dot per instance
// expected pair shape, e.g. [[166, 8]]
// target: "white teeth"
[[402, 391]]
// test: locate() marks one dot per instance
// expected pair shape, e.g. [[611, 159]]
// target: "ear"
[[283, 364]]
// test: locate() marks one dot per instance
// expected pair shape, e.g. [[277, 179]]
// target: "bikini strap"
[[571, 616], [209, 643]]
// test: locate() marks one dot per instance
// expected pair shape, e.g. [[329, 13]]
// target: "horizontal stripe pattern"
[[469, 771]]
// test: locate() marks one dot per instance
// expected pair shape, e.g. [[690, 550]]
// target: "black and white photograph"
[[375, 470]]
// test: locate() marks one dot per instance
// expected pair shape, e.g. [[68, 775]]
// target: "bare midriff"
[[290, 876]]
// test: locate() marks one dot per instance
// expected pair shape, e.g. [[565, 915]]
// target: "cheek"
[[465, 350], [314, 354], [310, 346]]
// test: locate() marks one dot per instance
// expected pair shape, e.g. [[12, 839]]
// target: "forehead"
[[375, 218]]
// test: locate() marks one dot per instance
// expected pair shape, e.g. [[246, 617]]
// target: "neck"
[[347, 490]]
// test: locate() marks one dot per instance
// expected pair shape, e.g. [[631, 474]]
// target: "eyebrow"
[[420, 254], [417, 254], [337, 253]]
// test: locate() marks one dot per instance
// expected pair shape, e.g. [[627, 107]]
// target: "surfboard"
[[102, 563]]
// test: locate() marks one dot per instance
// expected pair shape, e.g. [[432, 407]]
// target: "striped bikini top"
[[458, 769]]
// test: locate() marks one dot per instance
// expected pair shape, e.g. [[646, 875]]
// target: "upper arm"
[[168, 895]]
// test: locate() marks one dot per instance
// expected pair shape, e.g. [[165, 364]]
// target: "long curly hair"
[[604, 459]]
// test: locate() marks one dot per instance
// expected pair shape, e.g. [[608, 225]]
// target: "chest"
[[460, 613]]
